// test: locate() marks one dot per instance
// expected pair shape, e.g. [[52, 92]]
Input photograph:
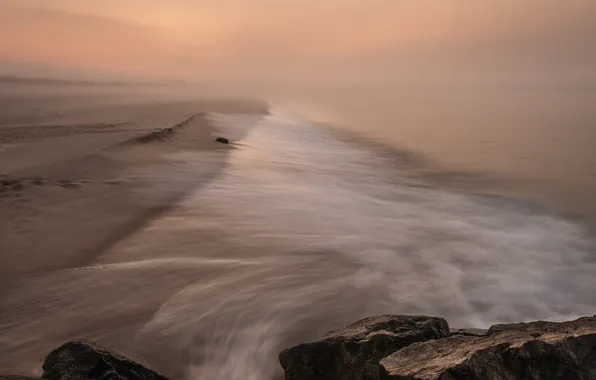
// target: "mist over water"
[[303, 233], [475, 202]]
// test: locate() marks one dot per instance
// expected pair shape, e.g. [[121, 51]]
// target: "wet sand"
[[74, 183], [70, 190]]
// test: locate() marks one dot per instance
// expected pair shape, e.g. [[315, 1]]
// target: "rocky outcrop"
[[423, 348], [353, 353], [536, 351], [80, 360], [388, 347]]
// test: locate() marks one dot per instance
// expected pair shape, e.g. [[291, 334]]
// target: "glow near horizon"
[[294, 38]]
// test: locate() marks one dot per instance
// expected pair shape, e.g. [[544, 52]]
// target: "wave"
[[341, 233], [302, 232]]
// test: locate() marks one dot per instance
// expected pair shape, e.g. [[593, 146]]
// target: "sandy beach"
[[76, 180], [71, 189]]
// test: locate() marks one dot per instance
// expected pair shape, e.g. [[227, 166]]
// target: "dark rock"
[[353, 353], [222, 140], [16, 377], [81, 360], [533, 351], [470, 331]]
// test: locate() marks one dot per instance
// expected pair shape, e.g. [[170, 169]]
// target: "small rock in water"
[[222, 140]]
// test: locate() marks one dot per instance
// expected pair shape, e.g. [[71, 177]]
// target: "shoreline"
[[66, 199], [191, 277], [86, 185]]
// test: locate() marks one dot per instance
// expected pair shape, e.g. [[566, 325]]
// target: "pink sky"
[[365, 40]]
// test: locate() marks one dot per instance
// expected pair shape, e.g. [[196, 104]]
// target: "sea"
[[311, 226], [326, 211]]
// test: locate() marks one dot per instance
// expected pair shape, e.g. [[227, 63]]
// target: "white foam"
[[339, 238]]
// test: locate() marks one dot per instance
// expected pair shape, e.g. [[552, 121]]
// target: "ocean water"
[[304, 229], [531, 141], [304, 232]]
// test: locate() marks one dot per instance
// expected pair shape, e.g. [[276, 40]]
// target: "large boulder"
[[532, 351], [82, 360], [353, 353]]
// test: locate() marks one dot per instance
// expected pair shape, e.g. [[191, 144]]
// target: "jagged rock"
[[222, 140], [353, 353], [532, 351], [81, 360]]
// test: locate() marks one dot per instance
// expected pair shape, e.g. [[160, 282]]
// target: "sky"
[[324, 41]]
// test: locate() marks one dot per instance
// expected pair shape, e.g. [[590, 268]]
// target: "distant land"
[[14, 79]]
